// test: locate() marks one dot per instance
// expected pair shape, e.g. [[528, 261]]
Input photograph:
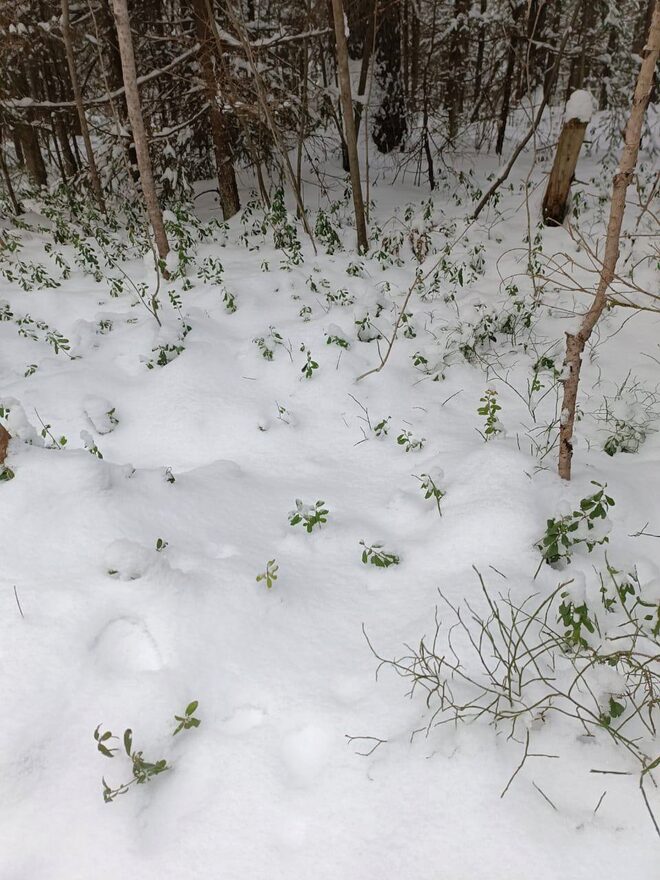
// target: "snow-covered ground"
[[112, 631]]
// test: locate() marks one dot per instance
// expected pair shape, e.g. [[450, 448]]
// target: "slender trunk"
[[224, 164], [77, 96], [508, 82], [364, 67], [349, 124], [137, 124], [457, 55], [304, 114], [8, 184], [576, 342], [389, 127], [414, 57], [481, 41], [34, 161]]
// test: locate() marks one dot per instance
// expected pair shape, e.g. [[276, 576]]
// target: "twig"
[[544, 795], [378, 742], [18, 601]]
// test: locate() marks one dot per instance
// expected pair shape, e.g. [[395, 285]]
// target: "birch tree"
[[576, 342], [129, 73]]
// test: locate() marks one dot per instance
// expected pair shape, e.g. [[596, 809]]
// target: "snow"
[[114, 631], [580, 106]]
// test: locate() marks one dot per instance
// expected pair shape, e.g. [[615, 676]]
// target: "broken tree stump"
[[578, 113], [5, 437]]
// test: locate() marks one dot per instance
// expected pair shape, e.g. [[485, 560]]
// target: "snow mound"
[[580, 106]]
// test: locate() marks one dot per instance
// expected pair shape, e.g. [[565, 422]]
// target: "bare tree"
[[349, 123], [77, 95], [125, 40], [219, 130], [575, 342]]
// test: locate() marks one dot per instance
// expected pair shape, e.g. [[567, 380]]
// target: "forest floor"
[[129, 582]]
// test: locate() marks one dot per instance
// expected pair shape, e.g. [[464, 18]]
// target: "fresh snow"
[[580, 106], [112, 631]]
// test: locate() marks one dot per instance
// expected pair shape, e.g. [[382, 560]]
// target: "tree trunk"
[[366, 58], [116, 81], [77, 95], [575, 342], [508, 82], [389, 128], [5, 437], [563, 169], [224, 164], [349, 124], [457, 56], [137, 124], [34, 161], [8, 184]]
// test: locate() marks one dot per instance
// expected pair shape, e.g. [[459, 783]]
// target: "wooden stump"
[[4, 442], [563, 169]]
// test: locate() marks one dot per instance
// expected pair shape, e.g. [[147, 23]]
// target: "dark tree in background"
[[389, 125]]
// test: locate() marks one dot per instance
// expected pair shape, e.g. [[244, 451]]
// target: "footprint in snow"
[[127, 560], [244, 719], [305, 754], [126, 645]]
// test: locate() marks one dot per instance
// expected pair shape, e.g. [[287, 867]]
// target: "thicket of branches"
[[231, 84]]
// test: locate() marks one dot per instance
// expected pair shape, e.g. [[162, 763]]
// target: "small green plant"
[[46, 433], [339, 297], [309, 366], [187, 720], [326, 233], [373, 554], [229, 300], [408, 327], [89, 443], [575, 618], [334, 339], [285, 236], [142, 771], [430, 488], [161, 544], [382, 429], [211, 270], [270, 575], [489, 409], [6, 474], [266, 352], [308, 516], [410, 443], [580, 526], [355, 269]]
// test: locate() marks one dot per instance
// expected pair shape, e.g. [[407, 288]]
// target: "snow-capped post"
[[349, 123], [575, 342], [579, 109], [5, 437], [125, 41]]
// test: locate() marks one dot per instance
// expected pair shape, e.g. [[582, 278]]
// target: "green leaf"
[[616, 709], [192, 707]]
